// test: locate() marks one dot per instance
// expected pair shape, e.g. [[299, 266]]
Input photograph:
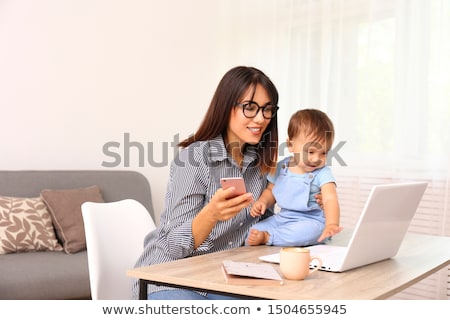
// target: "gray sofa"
[[45, 275]]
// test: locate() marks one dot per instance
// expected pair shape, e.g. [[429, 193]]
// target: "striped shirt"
[[195, 175]]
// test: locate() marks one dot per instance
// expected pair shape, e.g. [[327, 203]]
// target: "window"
[[380, 69]]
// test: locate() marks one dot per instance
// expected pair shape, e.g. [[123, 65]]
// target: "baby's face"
[[309, 154]]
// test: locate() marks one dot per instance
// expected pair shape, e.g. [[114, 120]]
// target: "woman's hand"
[[220, 208], [223, 206], [319, 200]]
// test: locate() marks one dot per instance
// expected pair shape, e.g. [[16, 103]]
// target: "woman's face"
[[242, 130]]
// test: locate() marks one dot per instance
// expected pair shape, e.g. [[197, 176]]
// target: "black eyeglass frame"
[[274, 109]]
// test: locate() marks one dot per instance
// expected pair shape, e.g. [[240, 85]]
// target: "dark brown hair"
[[230, 90], [314, 124]]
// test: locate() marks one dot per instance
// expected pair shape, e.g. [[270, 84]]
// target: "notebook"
[[379, 231]]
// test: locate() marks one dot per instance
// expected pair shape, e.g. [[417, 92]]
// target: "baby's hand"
[[330, 230], [258, 209]]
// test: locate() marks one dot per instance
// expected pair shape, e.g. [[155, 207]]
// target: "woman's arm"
[[193, 204], [218, 209]]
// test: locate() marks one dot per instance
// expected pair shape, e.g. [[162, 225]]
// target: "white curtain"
[[381, 70]]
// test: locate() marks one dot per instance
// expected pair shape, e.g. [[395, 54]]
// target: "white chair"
[[115, 234]]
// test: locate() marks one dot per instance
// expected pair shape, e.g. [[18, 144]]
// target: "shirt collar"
[[218, 152]]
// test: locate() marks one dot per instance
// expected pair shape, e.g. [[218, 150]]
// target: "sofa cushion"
[[65, 209], [26, 225], [44, 275]]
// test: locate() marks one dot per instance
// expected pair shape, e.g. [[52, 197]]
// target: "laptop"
[[379, 231]]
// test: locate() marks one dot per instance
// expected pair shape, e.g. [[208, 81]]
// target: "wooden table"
[[418, 257]]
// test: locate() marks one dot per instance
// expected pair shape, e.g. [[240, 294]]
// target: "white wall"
[[77, 74]]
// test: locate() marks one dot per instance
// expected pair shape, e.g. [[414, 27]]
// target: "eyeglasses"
[[251, 109]]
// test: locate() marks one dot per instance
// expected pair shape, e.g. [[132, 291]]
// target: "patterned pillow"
[[26, 225]]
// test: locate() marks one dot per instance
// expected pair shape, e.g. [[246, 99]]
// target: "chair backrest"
[[115, 234]]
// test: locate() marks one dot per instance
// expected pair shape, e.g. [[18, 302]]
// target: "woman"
[[237, 138]]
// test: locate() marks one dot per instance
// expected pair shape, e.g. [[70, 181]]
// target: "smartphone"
[[236, 182]]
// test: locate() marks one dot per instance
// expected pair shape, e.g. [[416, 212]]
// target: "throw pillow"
[[65, 209], [26, 225]]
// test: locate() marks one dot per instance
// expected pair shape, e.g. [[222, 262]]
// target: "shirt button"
[[241, 224]]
